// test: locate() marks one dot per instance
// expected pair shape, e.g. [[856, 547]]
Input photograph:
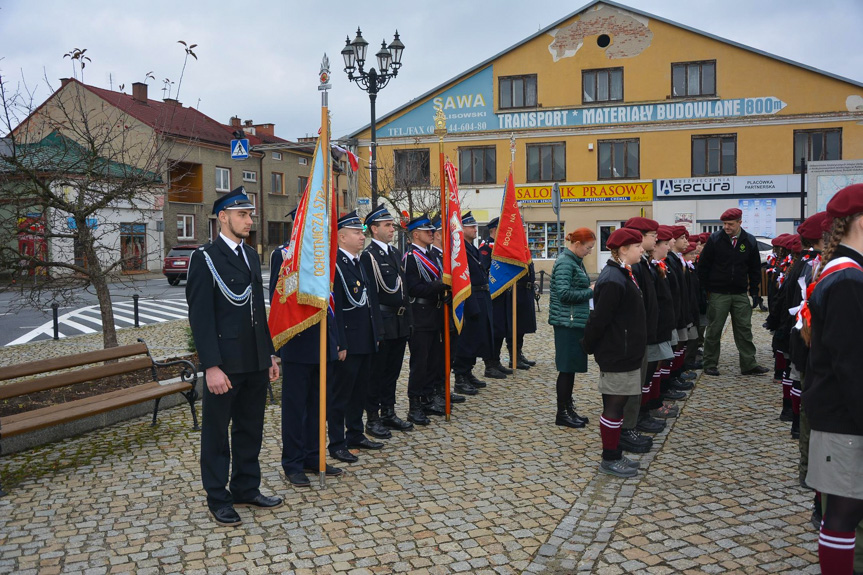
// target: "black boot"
[[795, 426], [570, 409], [787, 414], [523, 359], [434, 405], [375, 427], [392, 421], [462, 385], [477, 383], [415, 411], [564, 419]]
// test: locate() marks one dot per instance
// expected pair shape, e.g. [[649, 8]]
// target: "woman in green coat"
[[571, 292]]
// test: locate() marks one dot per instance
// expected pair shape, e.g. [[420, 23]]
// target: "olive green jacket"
[[570, 292]]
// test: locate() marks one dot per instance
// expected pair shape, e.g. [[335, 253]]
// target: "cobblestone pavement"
[[499, 489]]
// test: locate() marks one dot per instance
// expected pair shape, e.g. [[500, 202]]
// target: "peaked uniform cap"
[[234, 200], [378, 215], [467, 219], [493, 223], [420, 223], [350, 221]]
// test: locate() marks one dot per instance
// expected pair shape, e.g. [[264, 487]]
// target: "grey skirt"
[[659, 351], [620, 383], [836, 464], [674, 339]]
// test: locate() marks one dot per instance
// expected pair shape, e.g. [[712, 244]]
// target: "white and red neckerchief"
[[802, 311]]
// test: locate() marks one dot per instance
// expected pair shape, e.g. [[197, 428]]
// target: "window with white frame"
[[543, 240], [185, 227], [304, 161], [223, 180], [277, 155], [250, 176]]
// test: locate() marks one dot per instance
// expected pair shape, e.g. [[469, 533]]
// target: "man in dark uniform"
[[440, 381], [277, 256], [229, 323], [525, 310], [493, 367], [383, 267], [427, 290], [300, 394], [476, 334], [357, 300]]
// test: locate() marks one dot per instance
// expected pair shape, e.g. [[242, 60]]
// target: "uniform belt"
[[482, 287], [527, 285], [424, 301], [391, 309]]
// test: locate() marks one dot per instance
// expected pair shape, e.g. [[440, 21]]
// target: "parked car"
[[176, 264], [765, 248]]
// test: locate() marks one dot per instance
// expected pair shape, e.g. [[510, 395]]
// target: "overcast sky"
[[260, 60]]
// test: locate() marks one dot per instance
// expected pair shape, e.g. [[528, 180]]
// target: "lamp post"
[[389, 61]]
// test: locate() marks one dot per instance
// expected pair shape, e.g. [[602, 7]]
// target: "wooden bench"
[[106, 363]]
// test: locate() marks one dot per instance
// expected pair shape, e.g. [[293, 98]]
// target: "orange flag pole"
[[322, 342], [440, 130], [513, 351]]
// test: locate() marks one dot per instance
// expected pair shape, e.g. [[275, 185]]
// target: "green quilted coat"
[[570, 292]]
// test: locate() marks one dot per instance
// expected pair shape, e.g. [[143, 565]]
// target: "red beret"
[[623, 237], [778, 240], [678, 231], [811, 228], [793, 244], [643, 225], [847, 202], [703, 237], [731, 214], [663, 234], [690, 248]]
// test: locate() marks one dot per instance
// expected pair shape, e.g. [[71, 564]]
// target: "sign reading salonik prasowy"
[[469, 107]]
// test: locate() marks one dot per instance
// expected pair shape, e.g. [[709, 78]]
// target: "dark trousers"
[[386, 367], [462, 365], [347, 398], [427, 355], [243, 405], [496, 346], [301, 415], [520, 342]]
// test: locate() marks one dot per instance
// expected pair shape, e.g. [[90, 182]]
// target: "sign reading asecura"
[[469, 107]]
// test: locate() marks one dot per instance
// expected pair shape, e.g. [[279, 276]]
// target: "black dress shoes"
[[261, 502], [456, 398], [366, 443], [523, 359], [346, 456], [757, 370], [463, 386], [495, 373], [477, 383], [376, 428], [392, 421], [299, 480], [330, 471], [226, 516]]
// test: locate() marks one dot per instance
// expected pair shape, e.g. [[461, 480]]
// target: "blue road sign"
[[240, 149]]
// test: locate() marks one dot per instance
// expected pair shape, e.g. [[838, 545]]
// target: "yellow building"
[[631, 114]]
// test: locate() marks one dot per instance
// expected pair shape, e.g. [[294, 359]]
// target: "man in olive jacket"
[[729, 265]]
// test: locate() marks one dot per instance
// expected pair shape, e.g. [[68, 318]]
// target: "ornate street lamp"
[[389, 60]]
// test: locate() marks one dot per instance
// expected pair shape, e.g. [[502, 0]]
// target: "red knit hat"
[[847, 202], [643, 225], [731, 214], [811, 228], [678, 231], [664, 234], [623, 237]]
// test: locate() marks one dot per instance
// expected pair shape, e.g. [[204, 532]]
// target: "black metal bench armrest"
[[189, 373]]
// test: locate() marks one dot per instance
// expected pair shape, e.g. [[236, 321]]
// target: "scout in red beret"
[[731, 214], [623, 237], [678, 231], [664, 234], [811, 228], [847, 202], [777, 241], [643, 225]]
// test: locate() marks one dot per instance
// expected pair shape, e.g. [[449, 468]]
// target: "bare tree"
[[81, 186]]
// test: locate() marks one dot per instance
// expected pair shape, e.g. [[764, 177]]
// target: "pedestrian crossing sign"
[[240, 149]]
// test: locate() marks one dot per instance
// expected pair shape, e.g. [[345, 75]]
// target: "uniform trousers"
[[719, 307], [385, 370], [427, 357], [242, 407], [301, 415], [347, 399]]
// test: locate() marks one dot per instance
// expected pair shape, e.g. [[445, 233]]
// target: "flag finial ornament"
[[324, 74], [440, 123]]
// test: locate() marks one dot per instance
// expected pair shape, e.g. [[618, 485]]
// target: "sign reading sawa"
[[469, 107]]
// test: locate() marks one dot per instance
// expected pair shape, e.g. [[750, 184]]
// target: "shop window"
[[817, 145], [618, 159], [411, 168], [277, 183], [185, 227], [602, 85], [477, 165], [223, 180], [517, 91], [546, 162], [543, 240], [133, 247], [714, 155], [689, 79]]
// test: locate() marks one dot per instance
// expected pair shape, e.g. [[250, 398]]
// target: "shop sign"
[[469, 107], [584, 193], [684, 187]]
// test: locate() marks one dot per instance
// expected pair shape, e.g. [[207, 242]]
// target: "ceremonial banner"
[[510, 255], [305, 279], [455, 270]]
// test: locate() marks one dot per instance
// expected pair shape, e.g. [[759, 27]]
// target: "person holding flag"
[[440, 382], [493, 367], [476, 337]]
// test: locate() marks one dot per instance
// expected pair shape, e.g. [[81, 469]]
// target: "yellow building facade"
[[630, 114]]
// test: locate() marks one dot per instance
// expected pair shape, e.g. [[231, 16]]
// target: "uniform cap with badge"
[[467, 219], [350, 221], [234, 200], [378, 215], [421, 223]]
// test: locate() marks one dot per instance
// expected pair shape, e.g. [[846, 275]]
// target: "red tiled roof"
[[173, 120]]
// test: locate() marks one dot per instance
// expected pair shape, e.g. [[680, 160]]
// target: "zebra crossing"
[[88, 319]]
